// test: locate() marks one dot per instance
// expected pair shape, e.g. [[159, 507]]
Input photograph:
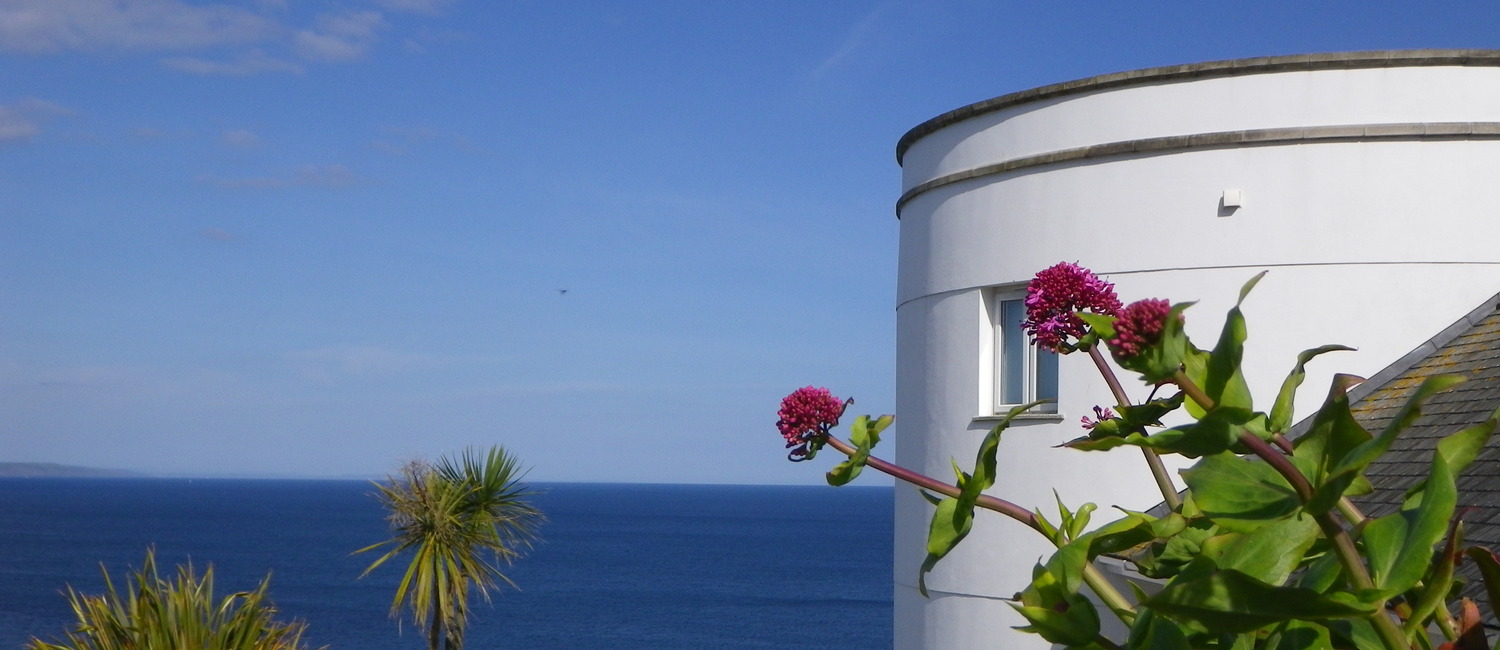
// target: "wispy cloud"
[[246, 63], [333, 176], [217, 234], [239, 139], [52, 26], [325, 365], [23, 120], [340, 37], [857, 38], [414, 6], [241, 38], [399, 140]]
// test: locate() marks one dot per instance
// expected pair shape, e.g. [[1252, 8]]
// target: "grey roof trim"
[[1208, 69], [1220, 140], [1412, 358]]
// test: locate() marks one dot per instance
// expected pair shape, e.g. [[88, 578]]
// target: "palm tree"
[[461, 518], [152, 612]]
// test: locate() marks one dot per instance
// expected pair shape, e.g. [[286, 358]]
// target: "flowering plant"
[[1264, 549]]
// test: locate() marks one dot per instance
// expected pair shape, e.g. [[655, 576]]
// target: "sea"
[[620, 566]]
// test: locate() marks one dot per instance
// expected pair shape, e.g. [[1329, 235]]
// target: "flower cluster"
[[1055, 294], [805, 418], [1100, 414], [1139, 327]]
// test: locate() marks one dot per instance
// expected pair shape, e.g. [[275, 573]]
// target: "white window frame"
[[1006, 345]]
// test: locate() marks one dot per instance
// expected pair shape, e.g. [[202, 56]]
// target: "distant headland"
[[54, 470]]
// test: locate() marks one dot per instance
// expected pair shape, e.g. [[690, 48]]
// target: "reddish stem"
[[928, 483], [1153, 459]]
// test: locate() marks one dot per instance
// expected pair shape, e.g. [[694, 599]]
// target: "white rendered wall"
[[1377, 244]]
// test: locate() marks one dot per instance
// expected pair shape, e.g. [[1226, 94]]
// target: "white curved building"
[[1367, 183]]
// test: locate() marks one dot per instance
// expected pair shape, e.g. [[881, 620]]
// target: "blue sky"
[[304, 238]]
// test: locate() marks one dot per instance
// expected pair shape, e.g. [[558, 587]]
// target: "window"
[[1021, 372]]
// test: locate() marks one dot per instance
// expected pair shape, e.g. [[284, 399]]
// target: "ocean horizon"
[[620, 565]]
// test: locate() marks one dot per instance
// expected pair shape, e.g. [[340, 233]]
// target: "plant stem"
[[1153, 459], [1351, 512], [1349, 558], [946, 489], [1113, 599]]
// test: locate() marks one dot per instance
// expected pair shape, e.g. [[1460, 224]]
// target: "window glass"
[[1022, 372], [1013, 352]]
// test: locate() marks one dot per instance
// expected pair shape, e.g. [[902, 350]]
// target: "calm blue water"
[[622, 566]]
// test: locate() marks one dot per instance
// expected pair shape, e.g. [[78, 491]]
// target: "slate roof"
[[1469, 348]]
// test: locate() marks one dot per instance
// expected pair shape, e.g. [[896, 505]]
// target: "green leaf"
[[949, 526], [1333, 434], [1239, 494], [1133, 531], [1489, 570], [1232, 602], [865, 435], [1195, 366], [1168, 556], [1052, 604], [1135, 418], [1299, 635], [954, 517], [1080, 520], [1273, 552], [1100, 324], [1357, 633], [1223, 381], [1438, 581], [1399, 545], [1215, 432], [1152, 632], [1461, 448], [1076, 624], [1281, 411], [1360, 457], [1047, 529], [1321, 573]]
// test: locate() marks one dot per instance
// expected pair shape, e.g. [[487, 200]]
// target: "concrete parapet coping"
[[1227, 68]]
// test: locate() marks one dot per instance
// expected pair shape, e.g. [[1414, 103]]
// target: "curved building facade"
[[1366, 183]]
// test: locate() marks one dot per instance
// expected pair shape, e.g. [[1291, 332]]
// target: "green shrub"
[[157, 614]]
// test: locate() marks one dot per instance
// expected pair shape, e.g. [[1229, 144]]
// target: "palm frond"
[[154, 612], [461, 518]]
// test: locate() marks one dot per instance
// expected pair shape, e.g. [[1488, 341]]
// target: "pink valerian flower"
[[1138, 327], [1055, 294], [1100, 415], [806, 417]]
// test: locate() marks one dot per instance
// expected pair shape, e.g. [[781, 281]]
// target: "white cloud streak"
[[340, 37], [247, 63], [22, 121], [414, 6], [242, 34], [325, 365], [858, 36], [327, 176], [240, 139], [41, 26]]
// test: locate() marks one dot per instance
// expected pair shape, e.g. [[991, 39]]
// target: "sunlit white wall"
[[1376, 237]]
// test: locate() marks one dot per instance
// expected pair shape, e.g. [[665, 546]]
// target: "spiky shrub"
[[1264, 551], [153, 613]]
